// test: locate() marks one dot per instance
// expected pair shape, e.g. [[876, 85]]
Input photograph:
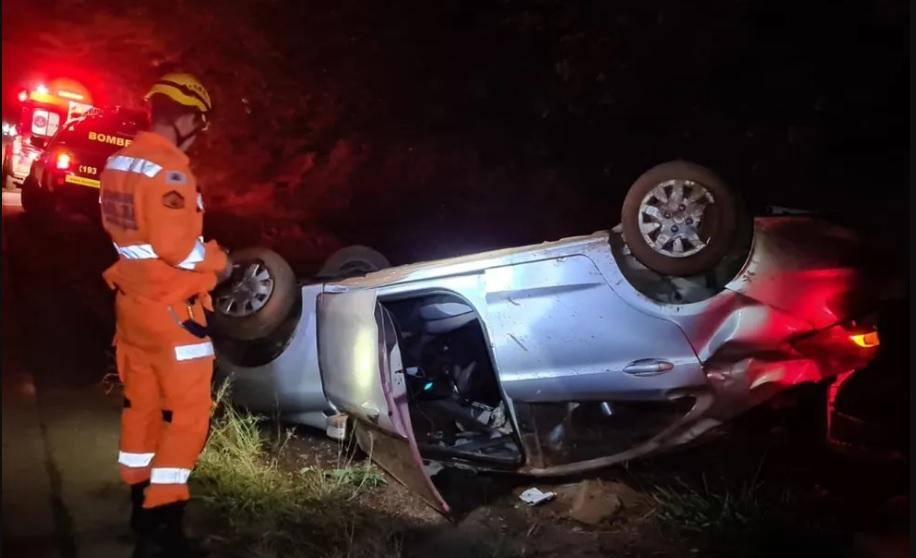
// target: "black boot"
[[149, 525], [136, 504], [162, 534]]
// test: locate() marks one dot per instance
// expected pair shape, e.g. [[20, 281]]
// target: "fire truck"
[[44, 110]]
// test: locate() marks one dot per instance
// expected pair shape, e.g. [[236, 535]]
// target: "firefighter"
[[153, 211]]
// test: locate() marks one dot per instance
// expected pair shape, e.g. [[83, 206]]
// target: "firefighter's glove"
[[226, 273]]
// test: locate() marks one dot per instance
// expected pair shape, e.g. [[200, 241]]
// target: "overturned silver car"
[[559, 357]]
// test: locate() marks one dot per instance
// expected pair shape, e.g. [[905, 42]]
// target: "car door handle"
[[648, 367]]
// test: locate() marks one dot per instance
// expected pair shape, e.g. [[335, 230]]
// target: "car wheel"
[[352, 261], [257, 298], [681, 219], [31, 198]]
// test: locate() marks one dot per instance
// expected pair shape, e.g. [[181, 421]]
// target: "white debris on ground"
[[534, 496]]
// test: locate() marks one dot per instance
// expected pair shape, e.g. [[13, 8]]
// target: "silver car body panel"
[[290, 385], [350, 358], [363, 374], [564, 324]]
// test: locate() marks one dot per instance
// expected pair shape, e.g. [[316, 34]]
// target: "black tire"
[[32, 202], [279, 304], [721, 220], [352, 261]]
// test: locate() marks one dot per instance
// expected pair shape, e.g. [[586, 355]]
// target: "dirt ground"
[[829, 505], [491, 520]]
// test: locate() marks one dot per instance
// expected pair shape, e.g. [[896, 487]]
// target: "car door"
[[560, 332], [564, 339], [363, 376]]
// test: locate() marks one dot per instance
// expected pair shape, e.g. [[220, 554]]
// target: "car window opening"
[[456, 408]]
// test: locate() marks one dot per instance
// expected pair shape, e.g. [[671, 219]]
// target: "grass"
[[744, 519], [271, 512], [316, 511], [705, 511]]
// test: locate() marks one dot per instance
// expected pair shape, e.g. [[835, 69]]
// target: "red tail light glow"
[[850, 345], [63, 161]]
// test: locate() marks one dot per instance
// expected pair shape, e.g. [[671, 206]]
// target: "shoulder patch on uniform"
[[173, 200], [175, 177]]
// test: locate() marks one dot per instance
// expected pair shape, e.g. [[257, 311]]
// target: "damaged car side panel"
[[548, 360], [364, 377], [596, 373]]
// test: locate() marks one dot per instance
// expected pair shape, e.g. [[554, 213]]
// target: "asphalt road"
[[61, 493]]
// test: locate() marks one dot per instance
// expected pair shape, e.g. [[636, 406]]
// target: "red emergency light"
[[43, 89], [63, 161], [70, 95]]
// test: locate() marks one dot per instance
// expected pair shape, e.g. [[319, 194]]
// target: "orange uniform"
[[152, 209]]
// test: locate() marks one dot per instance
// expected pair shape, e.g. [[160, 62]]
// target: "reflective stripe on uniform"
[[197, 350], [130, 459], [196, 256], [133, 164], [146, 252], [169, 475], [137, 252]]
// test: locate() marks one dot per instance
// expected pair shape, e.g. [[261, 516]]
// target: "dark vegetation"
[[432, 128]]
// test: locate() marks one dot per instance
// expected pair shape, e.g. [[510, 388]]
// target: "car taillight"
[[853, 339], [866, 340], [63, 161]]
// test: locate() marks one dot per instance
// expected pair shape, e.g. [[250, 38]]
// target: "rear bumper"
[[70, 198]]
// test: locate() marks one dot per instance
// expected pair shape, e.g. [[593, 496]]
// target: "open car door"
[[363, 376]]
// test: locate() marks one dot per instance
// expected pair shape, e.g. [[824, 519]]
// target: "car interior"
[[456, 408]]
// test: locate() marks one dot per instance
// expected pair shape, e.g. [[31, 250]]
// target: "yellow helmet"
[[184, 89]]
